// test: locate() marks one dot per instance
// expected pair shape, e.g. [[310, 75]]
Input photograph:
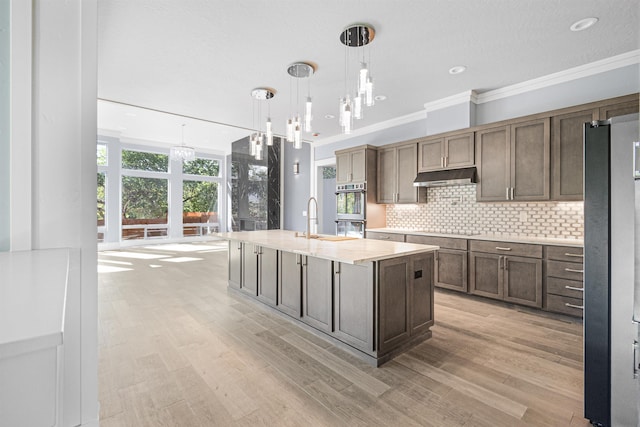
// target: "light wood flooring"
[[177, 350]]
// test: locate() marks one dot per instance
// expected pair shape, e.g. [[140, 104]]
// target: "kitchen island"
[[371, 298]]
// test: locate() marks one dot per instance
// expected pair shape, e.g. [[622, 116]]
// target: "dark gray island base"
[[375, 306]]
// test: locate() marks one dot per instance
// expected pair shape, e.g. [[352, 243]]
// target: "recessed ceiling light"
[[315, 134], [380, 97], [583, 24], [131, 114], [329, 116], [457, 69]]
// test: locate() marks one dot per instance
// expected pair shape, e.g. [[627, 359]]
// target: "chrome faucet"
[[308, 235]]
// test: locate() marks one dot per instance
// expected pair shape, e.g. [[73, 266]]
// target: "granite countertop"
[[354, 251], [490, 237]]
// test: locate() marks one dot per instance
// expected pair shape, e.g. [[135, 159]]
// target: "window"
[[144, 207], [144, 161], [200, 166], [199, 208], [101, 198], [102, 155]]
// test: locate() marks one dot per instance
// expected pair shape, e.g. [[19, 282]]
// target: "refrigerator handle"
[[636, 362]]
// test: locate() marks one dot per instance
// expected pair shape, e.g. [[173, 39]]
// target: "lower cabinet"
[[268, 275], [235, 263], [564, 280], [290, 284], [498, 270], [317, 293], [406, 299], [249, 283], [353, 305], [451, 260]]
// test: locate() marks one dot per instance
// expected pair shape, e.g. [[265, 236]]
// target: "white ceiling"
[[201, 58]]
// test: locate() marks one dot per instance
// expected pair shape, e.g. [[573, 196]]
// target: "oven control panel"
[[361, 186]]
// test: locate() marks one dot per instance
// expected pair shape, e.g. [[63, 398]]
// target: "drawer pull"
[[498, 248], [573, 270], [580, 307], [574, 255], [573, 288], [384, 237]]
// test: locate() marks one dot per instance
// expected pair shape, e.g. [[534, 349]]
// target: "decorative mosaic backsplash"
[[455, 210]]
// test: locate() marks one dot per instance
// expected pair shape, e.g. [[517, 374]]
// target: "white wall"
[[4, 124], [296, 187], [53, 156]]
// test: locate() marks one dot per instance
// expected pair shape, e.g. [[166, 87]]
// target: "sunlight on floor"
[[136, 255], [181, 259], [111, 269]]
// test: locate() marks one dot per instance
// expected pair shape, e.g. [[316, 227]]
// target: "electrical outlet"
[[304, 213], [523, 216]]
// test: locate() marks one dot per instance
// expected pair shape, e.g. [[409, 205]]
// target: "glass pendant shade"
[[357, 107], [307, 115], [269, 132], [362, 81], [289, 130], [347, 119], [297, 137], [182, 153], [369, 100], [252, 144], [258, 150]]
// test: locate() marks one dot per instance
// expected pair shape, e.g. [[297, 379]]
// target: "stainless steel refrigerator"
[[611, 200]]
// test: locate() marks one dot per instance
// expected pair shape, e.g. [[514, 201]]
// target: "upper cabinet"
[[446, 152], [567, 153], [397, 169], [514, 161], [353, 165], [619, 109]]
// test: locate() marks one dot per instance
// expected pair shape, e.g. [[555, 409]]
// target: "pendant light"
[[300, 70], [182, 152], [358, 36], [257, 139]]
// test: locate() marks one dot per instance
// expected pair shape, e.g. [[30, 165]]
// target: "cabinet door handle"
[[298, 259], [337, 268], [573, 288], [446, 161], [573, 270], [304, 260], [512, 193], [239, 245], [506, 263], [636, 362], [500, 248], [580, 307], [506, 196], [441, 162], [574, 255]]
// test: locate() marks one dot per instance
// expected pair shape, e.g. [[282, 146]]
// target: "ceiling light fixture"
[[358, 36], [457, 69], [380, 97], [182, 152], [583, 24], [257, 139], [300, 70]]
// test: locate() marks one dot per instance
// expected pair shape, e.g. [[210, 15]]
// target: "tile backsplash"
[[455, 210]]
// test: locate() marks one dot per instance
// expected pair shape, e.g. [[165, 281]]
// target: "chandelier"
[[299, 70], [182, 152], [350, 107], [259, 139]]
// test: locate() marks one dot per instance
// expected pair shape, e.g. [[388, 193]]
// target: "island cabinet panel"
[[268, 275], [354, 304], [249, 282], [235, 263], [394, 303], [405, 287], [523, 281], [317, 293], [421, 294], [290, 284]]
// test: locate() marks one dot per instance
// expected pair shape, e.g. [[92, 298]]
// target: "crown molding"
[[449, 101], [409, 118], [597, 67]]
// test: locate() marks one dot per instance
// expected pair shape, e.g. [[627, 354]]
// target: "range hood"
[[446, 177]]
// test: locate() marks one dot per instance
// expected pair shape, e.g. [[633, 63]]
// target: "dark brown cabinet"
[[507, 271], [564, 280], [397, 169], [317, 293], [406, 303], [353, 305], [235, 264], [446, 152], [514, 161], [450, 260]]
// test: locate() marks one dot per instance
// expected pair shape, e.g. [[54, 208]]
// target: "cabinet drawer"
[[443, 242], [564, 287], [565, 305], [505, 248], [565, 253], [393, 237], [565, 270]]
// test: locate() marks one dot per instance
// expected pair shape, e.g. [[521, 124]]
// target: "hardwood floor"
[[177, 350]]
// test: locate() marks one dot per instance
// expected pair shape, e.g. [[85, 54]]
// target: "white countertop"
[[33, 286], [490, 237], [356, 251]]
